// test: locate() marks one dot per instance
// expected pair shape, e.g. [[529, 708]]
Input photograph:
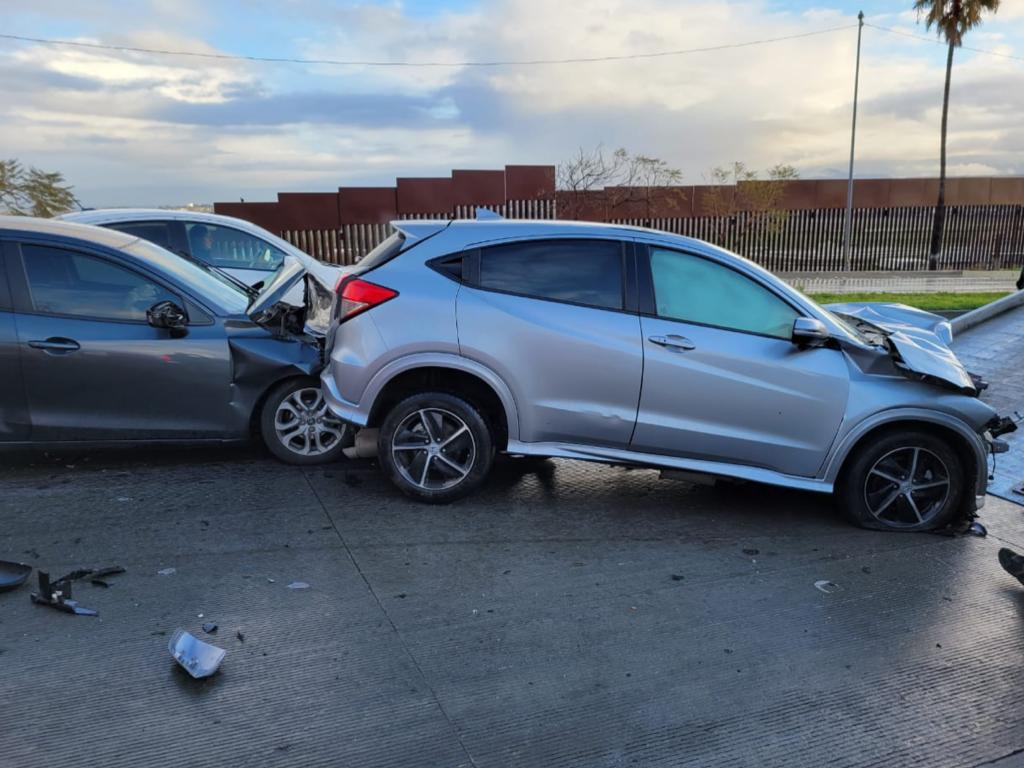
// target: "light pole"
[[853, 140]]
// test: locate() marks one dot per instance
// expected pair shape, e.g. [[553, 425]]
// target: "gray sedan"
[[105, 337]]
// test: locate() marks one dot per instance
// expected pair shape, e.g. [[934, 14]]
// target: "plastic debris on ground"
[[209, 627], [197, 658], [57, 595], [977, 529], [167, 571], [826, 586], [13, 575], [298, 585]]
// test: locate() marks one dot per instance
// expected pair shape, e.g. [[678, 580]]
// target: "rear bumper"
[[339, 406]]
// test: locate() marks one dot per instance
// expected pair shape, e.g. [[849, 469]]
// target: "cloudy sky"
[[142, 129]]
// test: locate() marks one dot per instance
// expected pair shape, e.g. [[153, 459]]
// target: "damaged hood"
[[305, 285], [918, 341]]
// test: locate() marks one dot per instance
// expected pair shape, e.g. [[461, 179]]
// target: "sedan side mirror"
[[167, 314], [810, 332]]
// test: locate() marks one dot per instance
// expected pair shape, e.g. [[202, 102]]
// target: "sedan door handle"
[[56, 345], [673, 342]]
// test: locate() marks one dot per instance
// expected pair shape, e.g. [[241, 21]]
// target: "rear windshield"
[[383, 253]]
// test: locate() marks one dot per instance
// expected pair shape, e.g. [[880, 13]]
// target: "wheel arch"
[[465, 379], [959, 435]]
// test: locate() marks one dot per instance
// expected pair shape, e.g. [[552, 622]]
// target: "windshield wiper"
[[231, 280]]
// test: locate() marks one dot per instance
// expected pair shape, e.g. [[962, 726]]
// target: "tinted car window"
[[697, 290], [69, 283], [157, 232], [229, 248], [579, 271]]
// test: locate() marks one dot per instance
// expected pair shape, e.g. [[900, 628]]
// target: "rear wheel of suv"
[[436, 447], [298, 428], [905, 481]]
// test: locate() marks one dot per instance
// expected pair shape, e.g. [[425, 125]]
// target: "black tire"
[[427, 474], [877, 491], [321, 446]]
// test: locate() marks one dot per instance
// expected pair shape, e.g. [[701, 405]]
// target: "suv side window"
[[701, 291], [229, 248], [587, 272], [63, 282]]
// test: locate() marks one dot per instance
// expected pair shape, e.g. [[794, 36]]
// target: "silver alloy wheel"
[[433, 449], [305, 426], [907, 487]]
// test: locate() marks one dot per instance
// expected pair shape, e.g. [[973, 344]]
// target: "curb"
[[987, 312]]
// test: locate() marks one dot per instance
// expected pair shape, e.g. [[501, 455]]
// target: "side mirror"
[[167, 314], [809, 331]]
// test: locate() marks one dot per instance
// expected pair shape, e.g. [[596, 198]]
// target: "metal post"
[[853, 139]]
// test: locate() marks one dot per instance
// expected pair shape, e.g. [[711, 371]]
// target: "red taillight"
[[358, 296]]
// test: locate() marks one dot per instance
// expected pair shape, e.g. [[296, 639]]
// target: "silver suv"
[[615, 344]]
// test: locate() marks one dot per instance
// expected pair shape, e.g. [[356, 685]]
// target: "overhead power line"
[[943, 43], [415, 64]]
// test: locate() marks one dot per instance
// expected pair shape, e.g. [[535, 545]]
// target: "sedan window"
[[229, 248], [68, 283], [585, 272], [696, 290]]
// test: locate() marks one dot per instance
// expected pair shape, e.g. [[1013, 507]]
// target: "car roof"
[[97, 235], [107, 215]]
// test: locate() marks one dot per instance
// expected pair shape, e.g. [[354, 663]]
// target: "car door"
[[14, 419], [245, 257], [722, 379], [94, 369], [554, 319]]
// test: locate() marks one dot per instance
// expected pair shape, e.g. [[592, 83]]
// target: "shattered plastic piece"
[[57, 595], [826, 586], [13, 575], [197, 658], [977, 529], [751, 552], [298, 585], [209, 627], [1018, 489], [167, 571], [240, 636]]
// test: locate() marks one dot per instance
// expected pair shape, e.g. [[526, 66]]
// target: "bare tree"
[[619, 185], [32, 192], [739, 188]]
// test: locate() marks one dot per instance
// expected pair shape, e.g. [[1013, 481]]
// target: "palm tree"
[[952, 19]]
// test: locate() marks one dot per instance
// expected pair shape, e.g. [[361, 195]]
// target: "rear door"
[[722, 379], [14, 418], [556, 319], [94, 369]]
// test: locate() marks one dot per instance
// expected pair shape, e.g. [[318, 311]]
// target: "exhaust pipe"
[[364, 446]]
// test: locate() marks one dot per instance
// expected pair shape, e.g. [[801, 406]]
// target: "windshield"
[[206, 285]]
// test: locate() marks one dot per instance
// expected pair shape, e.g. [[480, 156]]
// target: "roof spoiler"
[[419, 229]]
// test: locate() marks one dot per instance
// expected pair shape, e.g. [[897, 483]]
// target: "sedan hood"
[[918, 341], [302, 291]]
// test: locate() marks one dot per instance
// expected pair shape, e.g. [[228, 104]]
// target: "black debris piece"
[[209, 627], [751, 552], [677, 577], [865, 569], [13, 575], [1018, 489], [57, 595], [240, 636], [977, 529]]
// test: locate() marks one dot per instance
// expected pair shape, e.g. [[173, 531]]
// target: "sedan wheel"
[[298, 427]]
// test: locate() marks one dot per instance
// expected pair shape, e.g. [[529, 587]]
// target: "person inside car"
[[200, 238]]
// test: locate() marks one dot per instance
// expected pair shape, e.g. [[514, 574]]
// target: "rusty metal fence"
[[976, 237]]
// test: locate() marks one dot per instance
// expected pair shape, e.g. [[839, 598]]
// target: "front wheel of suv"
[[905, 481], [436, 447]]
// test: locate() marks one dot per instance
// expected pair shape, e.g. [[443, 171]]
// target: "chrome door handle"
[[55, 345], [677, 343]]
